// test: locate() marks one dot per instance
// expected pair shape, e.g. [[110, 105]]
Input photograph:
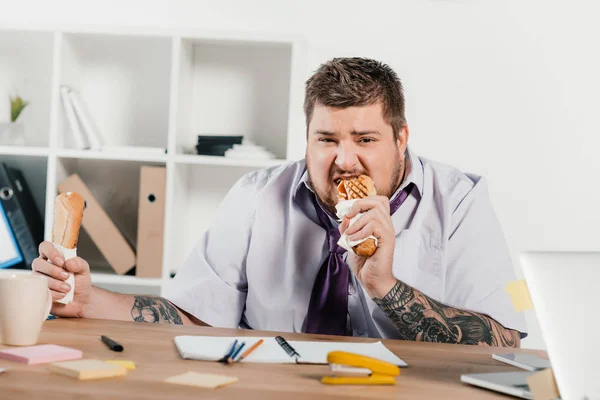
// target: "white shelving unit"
[[153, 88]]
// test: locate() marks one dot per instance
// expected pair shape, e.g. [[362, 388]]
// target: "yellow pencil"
[[250, 350]]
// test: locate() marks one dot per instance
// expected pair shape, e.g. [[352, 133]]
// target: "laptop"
[[565, 290]]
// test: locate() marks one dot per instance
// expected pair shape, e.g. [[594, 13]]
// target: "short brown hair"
[[356, 82]]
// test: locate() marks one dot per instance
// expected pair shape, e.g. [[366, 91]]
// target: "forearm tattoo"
[[421, 318], [154, 310]]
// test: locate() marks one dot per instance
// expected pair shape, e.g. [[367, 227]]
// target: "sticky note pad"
[[543, 385], [123, 363], [88, 369], [44, 353], [202, 380], [519, 294]]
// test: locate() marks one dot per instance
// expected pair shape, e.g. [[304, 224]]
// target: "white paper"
[[210, 348], [342, 208], [2, 370], [67, 254]]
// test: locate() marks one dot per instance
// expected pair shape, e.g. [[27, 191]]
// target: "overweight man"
[[271, 260]]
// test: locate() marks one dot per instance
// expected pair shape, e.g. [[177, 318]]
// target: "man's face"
[[347, 142]]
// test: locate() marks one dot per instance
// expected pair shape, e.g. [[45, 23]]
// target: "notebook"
[[210, 348]]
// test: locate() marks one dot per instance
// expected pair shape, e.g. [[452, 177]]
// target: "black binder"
[[22, 213]]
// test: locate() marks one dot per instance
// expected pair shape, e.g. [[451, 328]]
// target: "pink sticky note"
[[44, 353]]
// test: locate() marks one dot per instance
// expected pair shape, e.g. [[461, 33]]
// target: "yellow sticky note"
[[88, 369], [202, 380], [519, 294], [123, 363], [543, 385]]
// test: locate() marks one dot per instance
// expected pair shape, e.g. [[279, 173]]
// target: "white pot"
[[12, 133]]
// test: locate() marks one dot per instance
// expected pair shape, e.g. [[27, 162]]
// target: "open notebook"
[[209, 348]]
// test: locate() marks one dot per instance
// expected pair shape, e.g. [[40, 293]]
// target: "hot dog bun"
[[68, 213], [356, 188], [359, 188]]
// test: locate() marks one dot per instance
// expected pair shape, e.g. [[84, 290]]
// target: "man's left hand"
[[375, 272]]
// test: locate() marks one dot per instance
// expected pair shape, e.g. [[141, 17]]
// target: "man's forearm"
[[419, 317], [109, 305]]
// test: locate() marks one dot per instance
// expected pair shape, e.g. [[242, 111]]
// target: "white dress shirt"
[[255, 267]]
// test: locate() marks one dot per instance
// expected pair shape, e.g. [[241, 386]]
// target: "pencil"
[[250, 350], [235, 353]]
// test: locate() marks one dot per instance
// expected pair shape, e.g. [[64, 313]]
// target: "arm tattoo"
[[155, 310], [419, 317]]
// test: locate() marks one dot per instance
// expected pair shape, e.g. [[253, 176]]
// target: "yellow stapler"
[[354, 369]]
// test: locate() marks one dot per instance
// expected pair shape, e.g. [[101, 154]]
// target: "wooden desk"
[[434, 369]]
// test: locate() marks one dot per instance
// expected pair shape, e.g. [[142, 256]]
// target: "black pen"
[[114, 346]]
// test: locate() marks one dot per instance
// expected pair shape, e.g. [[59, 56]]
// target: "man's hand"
[[375, 272], [57, 275]]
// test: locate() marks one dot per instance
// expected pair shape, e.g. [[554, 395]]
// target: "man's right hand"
[[57, 275]]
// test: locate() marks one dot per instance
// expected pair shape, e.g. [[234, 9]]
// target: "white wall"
[[507, 88]]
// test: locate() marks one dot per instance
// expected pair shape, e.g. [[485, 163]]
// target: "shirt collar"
[[415, 172]]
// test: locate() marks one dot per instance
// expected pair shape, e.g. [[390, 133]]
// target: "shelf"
[[118, 156], [218, 160], [26, 69], [124, 83], [233, 88], [25, 151]]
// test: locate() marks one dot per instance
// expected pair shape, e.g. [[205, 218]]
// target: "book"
[[86, 121], [278, 350], [73, 122]]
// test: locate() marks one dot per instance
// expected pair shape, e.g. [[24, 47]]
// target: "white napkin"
[[342, 208], [67, 254]]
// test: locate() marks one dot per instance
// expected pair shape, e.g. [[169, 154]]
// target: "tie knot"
[[333, 235]]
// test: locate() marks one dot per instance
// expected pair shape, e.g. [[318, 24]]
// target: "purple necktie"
[[328, 305]]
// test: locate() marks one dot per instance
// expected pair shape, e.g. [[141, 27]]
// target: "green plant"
[[17, 104]]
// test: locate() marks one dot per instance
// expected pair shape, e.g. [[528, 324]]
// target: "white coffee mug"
[[25, 303]]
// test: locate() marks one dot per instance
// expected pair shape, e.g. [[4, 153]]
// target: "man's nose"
[[347, 156]]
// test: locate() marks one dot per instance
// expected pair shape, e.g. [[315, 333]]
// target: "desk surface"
[[434, 369]]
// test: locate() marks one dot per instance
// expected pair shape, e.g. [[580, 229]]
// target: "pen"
[[235, 353], [114, 346], [250, 350], [229, 352]]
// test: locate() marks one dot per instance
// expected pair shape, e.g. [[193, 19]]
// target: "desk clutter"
[[346, 368]]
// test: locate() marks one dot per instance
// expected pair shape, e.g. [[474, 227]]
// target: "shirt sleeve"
[[479, 262], [211, 284]]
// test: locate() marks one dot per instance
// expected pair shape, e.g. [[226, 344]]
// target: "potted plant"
[[13, 132]]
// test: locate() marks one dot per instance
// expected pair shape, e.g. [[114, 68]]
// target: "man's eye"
[[366, 140], [326, 140]]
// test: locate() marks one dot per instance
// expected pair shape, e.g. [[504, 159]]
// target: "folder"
[[10, 255], [21, 212], [151, 216], [101, 229]]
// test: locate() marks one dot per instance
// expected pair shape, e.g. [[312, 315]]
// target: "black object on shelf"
[[22, 213], [215, 145]]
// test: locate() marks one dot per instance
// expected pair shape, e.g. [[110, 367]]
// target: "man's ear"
[[402, 140]]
